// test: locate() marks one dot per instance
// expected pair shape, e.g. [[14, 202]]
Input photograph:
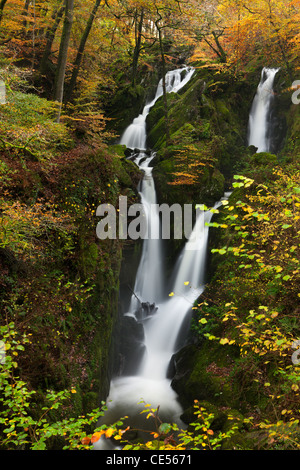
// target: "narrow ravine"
[[150, 383]]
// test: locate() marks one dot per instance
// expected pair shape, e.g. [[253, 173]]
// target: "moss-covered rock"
[[292, 142], [208, 187], [182, 109], [203, 373], [199, 118], [264, 158], [125, 105]]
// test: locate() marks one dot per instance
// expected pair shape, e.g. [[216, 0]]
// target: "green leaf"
[[164, 428]]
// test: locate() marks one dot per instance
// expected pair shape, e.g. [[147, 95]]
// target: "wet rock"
[[131, 346]]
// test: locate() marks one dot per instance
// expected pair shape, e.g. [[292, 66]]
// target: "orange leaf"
[[96, 436], [122, 431], [85, 441]]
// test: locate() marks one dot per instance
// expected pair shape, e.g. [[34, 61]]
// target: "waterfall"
[[162, 327], [149, 279], [259, 135], [162, 330], [135, 135]]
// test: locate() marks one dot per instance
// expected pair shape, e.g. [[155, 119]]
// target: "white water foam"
[[259, 114]]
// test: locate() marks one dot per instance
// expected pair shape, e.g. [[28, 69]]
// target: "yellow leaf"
[[172, 294], [109, 432], [224, 341]]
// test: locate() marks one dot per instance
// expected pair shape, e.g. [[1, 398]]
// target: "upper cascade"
[[135, 135]]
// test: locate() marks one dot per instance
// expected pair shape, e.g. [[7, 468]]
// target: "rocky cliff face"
[[208, 133]]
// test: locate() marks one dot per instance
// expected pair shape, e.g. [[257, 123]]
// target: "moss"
[[118, 149], [156, 137], [222, 109], [292, 142], [198, 118], [185, 134], [264, 158], [89, 258], [203, 374], [155, 115], [29, 112], [126, 104], [182, 110], [208, 188]]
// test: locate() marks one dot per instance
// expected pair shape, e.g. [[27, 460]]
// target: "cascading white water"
[[259, 114], [149, 278], [135, 135], [174, 81], [150, 384], [162, 330]]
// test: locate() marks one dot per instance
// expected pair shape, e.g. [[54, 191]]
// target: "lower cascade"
[[162, 325]]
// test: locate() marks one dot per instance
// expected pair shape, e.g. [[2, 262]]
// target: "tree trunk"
[[77, 63], [25, 13], [63, 54], [50, 35], [222, 53], [137, 48], [2, 5], [218, 49], [165, 97]]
